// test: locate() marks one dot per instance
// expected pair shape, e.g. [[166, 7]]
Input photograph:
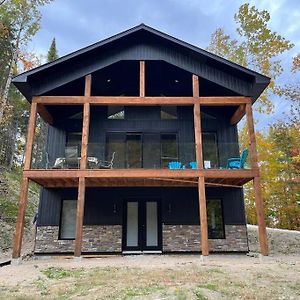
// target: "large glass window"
[[215, 219], [68, 219], [169, 148], [210, 150], [133, 150]]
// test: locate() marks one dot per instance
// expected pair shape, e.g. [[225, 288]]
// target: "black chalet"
[[142, 152]]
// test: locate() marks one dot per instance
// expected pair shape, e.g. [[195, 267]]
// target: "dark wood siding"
[[103, 206]]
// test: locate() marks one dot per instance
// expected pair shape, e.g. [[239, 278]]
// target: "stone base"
[[108, 238], [96, 238], [184, 238]]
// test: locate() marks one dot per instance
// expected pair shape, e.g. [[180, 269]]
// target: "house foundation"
[[108, 238]]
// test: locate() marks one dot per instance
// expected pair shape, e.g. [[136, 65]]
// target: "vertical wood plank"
[[262, 232], [20, 218], [203, 216], [252, 139], [88, 85], [85, 135], [198, 136], [142, 78], [79, 216], [30, 136], [195, 85]]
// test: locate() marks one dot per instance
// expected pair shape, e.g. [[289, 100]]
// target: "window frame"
[[222, 215], [177, 147], [217, 147], [60, 237]]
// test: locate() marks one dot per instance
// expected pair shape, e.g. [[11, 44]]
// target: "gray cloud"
[[78, 23]]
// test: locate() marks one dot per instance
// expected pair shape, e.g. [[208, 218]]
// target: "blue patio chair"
[[175, 165], [238, 162], [193, 165]]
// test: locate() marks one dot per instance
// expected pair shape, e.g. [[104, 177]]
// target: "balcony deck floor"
[[140, 177]]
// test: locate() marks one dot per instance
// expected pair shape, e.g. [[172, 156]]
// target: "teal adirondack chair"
[[238, 162]]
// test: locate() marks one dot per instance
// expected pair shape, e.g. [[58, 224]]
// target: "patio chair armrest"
[[233, 159]]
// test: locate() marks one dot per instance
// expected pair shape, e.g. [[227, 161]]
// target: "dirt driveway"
[[154, 277]]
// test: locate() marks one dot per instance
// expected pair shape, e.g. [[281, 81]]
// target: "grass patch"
[[60, 273], [208, 286]]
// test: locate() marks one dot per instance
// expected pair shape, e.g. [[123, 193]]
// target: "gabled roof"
[[141, 43]]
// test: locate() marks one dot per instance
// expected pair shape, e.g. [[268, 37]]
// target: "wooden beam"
[[139, 173], [88, 85], [257, 185], [85, 135], [197, 124], [252, 139], [238, 114], [262, 231], [30, 136], [79, 216], [147, 101], [203, 216], [44, 113], [195, 80], [142, 78], [20, 218]]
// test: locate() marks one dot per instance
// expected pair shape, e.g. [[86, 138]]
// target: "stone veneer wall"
[[96, 238], [187, 238], [108, 238]]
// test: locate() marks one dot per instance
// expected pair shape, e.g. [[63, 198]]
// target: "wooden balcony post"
[[30, 136], [197, 124], [142, 78], [203, 216], [199, 159], [79, 216], [85, 123], [262, 232], [20, 219], [85, 135]]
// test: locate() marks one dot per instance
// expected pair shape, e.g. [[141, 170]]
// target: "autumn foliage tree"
[[19, 22], [258, 47]]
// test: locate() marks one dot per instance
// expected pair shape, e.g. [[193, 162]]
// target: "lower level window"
[[215, 219], [68, 220]]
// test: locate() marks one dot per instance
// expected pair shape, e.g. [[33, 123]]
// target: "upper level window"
[[210, 150], [215, 219], [168, 112], [115, 113], [169, 148]]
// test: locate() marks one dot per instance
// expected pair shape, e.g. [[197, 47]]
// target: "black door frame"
[[142, 226]]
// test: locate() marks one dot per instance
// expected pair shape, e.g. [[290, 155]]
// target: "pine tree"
[[52, 52]]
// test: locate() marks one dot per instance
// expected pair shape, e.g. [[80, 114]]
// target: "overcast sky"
[[78, 23]]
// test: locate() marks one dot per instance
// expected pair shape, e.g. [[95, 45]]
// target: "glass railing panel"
[[137, 155]]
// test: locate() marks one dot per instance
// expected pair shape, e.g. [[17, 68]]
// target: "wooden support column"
[[85, 135], [203, 216], [262, 232], [197, 124], [199, 159], [30, 136], [142, 78], [79, 216], [20, 219], [83, 165], [85, 123]]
